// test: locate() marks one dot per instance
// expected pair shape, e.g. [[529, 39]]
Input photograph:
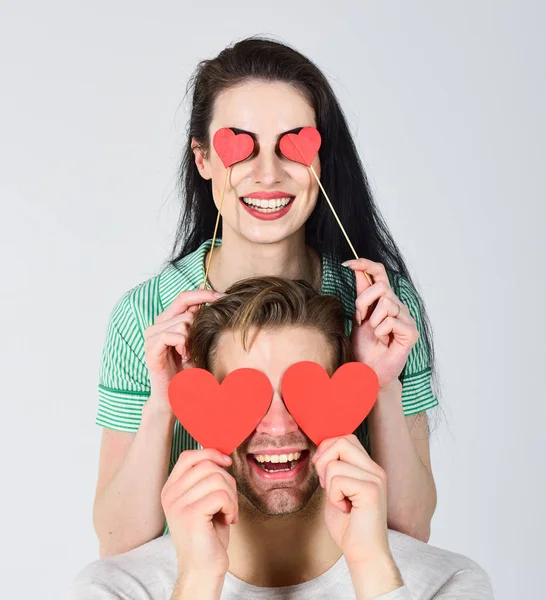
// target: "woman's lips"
[[267, 216]]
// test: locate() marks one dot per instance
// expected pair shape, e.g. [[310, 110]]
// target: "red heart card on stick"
[[301, 147], [325, 407], [217, 415], [232, 148]]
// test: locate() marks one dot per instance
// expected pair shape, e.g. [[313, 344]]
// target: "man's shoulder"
[[426, 569], [148, 571]]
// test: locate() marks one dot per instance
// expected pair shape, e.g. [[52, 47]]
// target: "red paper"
[[301, 147], [232, 148], [220, 416], [324, 407]]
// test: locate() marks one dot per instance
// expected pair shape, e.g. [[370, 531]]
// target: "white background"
[[446, 101]]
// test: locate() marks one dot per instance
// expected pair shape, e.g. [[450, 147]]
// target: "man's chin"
[[279, 502]]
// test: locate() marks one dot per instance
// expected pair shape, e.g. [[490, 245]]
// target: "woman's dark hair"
[[342, 173]]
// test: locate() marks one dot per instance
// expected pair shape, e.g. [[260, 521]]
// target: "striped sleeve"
[[124, 385], [417, 393]]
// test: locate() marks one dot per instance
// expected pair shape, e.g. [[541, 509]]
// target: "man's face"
[[283, 487]]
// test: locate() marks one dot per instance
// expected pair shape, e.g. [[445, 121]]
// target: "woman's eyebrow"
[[255, 136]]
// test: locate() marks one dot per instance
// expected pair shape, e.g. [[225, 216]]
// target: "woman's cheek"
[[239, 173], [308, 186]]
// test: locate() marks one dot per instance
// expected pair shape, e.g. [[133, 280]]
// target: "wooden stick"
[[337, 219], [204, 284]]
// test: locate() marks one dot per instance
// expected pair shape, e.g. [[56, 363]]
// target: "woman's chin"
[[271, 234]]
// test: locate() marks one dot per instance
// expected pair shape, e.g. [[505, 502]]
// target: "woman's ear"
[[201, 160]]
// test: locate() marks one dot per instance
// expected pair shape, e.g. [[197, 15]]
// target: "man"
[[280, 518]]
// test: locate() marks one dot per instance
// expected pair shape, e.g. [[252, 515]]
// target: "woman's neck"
[[277, 551], [238, 258]]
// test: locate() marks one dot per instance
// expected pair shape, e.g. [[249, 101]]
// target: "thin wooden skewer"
[[216, 228], [337, 219]]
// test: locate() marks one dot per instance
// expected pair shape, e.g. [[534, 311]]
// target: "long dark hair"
[[342, 173]]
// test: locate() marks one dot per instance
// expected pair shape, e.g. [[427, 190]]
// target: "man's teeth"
[[270, 205], [277, 458]]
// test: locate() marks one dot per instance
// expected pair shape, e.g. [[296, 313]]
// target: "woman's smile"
[[267, 205]]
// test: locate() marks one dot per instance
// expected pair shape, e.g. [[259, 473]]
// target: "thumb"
[[362, 282]]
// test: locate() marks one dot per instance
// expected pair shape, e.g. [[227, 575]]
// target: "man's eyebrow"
[[254, 136]]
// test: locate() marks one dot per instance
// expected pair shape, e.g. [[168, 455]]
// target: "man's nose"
[[278, 421]]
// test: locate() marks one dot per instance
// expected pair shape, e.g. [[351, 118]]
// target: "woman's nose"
[[278, 421], [267, 167]]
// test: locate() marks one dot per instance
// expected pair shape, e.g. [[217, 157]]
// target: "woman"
[[266, 89]]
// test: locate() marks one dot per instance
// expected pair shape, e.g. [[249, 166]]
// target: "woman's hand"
[[200, 503], [384, 336], [165, 342]]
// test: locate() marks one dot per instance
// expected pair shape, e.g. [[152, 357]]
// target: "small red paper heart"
[[220, 416], [324, 407], [301, 147], [232, 148]]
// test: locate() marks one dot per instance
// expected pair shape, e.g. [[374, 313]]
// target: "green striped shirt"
[[124, 385]]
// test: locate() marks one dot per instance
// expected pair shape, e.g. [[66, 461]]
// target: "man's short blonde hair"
[[268, 303]]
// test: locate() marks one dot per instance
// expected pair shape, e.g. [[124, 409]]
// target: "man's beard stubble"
[[282, 506], [285, 504]]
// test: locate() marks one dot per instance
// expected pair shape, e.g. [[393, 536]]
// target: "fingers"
[[389, 307], [170, 328], [328, 442], [375, 292], [184, 301], [186, 318], [348, 473], [159, 344], [363, 265], [198, 486], [212, 504], [403, 332], [360, 493], [336, 468], [211, 484], [346, 449], [170, 333], [190, 458], [200, 472]]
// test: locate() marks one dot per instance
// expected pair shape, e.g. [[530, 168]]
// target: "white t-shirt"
[[149, 573]]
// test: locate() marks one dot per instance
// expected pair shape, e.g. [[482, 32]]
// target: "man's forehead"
[[271, 351]]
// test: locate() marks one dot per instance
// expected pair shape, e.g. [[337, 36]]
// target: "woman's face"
[[267, 110]]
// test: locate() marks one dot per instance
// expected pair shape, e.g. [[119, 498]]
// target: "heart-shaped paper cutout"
[[217, 415], [231, 147], [324, 407], [301, 147]]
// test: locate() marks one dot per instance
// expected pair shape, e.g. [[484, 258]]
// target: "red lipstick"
[[270, 215]]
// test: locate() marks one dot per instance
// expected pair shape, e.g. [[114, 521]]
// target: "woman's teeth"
[[267, 205]]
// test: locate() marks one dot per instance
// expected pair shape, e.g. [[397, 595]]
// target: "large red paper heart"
[[301, 147], [324, 407], [232, 148], [217, 415]]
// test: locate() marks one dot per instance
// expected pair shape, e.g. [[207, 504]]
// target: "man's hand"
[[200, 503], [356, 513]]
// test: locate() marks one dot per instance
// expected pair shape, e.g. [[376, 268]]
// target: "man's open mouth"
[[278, 462], [268, 206]]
